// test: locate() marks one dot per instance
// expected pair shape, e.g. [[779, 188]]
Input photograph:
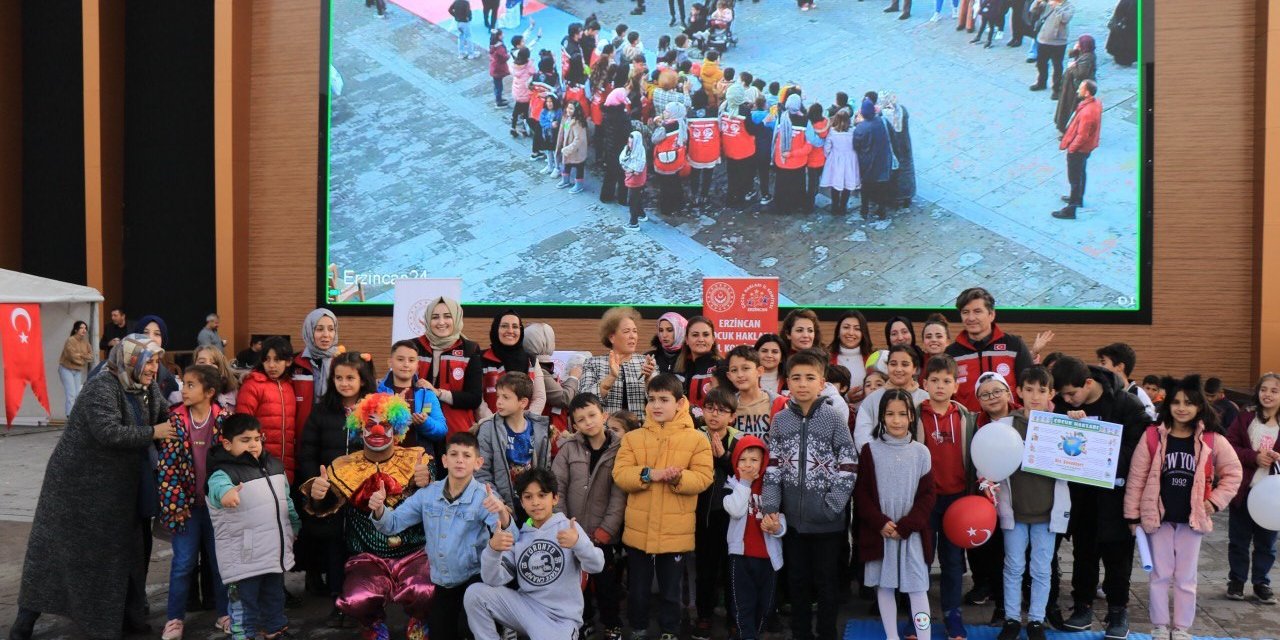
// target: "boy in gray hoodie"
[[546, 561]]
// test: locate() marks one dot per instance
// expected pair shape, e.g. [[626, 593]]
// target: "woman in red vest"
[[737, 144], [450, 364], [311, 367], [670, 156], [790, 155], [704, 152], [816, 135], [506, 352]]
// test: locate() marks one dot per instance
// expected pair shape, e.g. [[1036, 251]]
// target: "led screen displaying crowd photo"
[[967, 181]]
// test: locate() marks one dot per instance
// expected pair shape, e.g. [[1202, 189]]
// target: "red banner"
[[742, 309], [23, 350]]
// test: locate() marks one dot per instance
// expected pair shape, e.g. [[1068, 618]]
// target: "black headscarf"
[[513, 358]]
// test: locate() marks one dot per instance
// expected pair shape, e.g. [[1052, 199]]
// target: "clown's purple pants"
[[372, 582]]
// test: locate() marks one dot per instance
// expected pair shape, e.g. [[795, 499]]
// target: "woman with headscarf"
[[668, 341], [616, 127], [790, 155], [898, 123], [738, 144], [670, 156], [1084, 66], [634, 162], [875, 158], [155, 328], [450, 364], [559, 387], [311, 367], [1122, 39], [507, 352], [87, 552]]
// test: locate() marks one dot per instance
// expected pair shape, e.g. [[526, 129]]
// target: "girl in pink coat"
[[1170, 493]]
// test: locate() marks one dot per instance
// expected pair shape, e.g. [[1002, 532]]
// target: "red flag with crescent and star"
[[23, 356]]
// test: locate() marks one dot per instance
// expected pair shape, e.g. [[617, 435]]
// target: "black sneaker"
[[753, 195], [766, 200], [1035, 630], [1235, 590], [1265, 596], [1117, 624], [1010, 630], [613, 633], [1081, 619], [1054, 618], [979, 594]]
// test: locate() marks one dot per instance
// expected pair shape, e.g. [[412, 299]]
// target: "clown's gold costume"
[[381, 568]]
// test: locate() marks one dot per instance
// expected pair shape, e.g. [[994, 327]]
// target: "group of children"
[[790, 459], [674, 115]]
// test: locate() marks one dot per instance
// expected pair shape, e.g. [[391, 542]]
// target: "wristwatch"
[[644, 475]]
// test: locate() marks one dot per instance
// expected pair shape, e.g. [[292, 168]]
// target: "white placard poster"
[[1084, 451], [412, 295]]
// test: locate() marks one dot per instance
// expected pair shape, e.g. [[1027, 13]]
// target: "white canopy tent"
[[61, 305]]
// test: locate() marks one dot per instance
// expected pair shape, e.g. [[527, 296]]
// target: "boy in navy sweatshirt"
[[546, 561]]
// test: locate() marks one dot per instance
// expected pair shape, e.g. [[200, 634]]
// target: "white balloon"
[[1264, 503], [996, 451]]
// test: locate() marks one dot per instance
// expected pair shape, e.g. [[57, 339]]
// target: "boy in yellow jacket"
[[662, 466]]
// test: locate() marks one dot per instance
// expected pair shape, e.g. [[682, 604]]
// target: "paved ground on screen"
[[23, 453], [426, 178]]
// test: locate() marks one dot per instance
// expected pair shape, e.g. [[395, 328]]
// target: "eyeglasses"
[[991, 395], [715, 409]]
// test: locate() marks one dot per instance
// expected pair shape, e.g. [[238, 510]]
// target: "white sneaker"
[[955, 12], [1159, 632], [1180, 634], [936, 16], [172, 630]]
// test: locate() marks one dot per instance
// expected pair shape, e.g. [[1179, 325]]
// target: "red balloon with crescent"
[[970, 521]]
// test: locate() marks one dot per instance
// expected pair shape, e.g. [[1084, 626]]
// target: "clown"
[[382, 568]]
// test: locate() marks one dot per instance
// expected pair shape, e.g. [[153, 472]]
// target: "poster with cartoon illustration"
[[1084, 451]]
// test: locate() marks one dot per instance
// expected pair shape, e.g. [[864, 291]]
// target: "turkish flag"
[[23, 356]]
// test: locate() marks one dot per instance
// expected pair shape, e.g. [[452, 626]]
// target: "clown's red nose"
[[377, 430]]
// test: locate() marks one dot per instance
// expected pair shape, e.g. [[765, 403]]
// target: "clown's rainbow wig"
[[381, 408]]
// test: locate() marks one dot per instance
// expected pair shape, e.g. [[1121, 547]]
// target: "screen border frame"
[[1142, 315]]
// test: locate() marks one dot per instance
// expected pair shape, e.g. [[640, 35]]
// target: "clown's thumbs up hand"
[[568, 536], [378, 499], [422, 471], [320, 485]]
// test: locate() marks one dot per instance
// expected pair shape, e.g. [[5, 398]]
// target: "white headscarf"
[[632, 157]]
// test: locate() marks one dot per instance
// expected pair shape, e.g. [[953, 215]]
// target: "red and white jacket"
[[460, 374], [1002, 352]]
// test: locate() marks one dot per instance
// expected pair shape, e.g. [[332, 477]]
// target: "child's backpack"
[[1153, 447]]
